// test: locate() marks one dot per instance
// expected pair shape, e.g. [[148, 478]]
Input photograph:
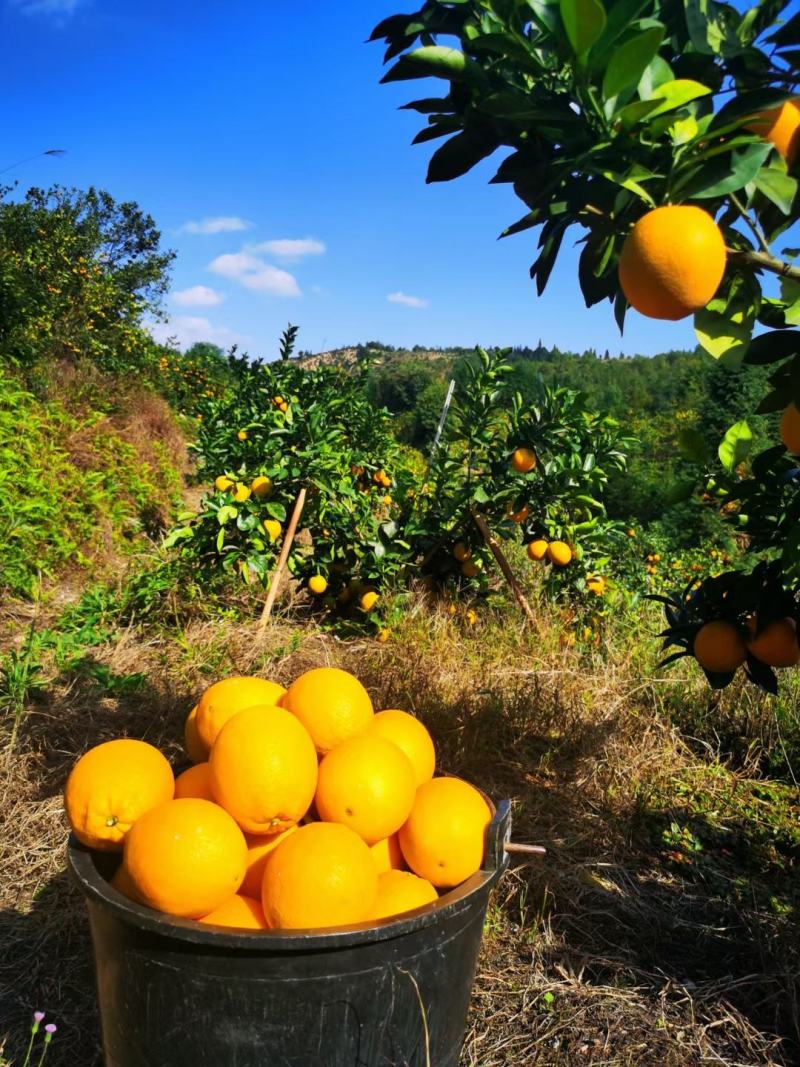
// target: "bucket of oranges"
[[308, 890]]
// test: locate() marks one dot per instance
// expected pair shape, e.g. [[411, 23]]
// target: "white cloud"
[[187, 329], [198, 296], [408, 301], [217, 224], [58, 8], [292, 249], [253, 273]]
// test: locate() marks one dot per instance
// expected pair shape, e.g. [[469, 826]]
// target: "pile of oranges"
[[303, 809]]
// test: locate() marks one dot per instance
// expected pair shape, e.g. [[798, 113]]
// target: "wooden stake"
[[503, 564], [277, 574]]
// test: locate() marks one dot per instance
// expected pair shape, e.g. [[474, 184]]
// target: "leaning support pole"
[[503, 564], [277, 574]]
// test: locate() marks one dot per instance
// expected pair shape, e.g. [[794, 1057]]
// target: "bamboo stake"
[[277, 574], [503, 564]]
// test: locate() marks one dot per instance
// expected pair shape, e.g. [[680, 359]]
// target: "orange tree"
[[664, 136], [279, 428], [532, 472]]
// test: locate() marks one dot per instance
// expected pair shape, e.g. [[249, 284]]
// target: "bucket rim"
[[102, 894]]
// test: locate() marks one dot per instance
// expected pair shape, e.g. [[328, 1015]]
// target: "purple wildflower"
[[50, 1028], [38, 1016]]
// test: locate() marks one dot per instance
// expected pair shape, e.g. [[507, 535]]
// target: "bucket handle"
[[498, 840]]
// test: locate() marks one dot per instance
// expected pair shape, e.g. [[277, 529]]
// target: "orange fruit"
[[259, 847], [321, 876], [317, 584], [111, 786], [222, 484], [523, 460], [781, 126], [518, 516], [596, 584], [367, 784], [559, 553], [443, 838], [196, 782], [790, 429], [411, 737], [462, 552], [264, 769], [719, 647], [186, 857], [401, 891], [369, 600], [242, 435], [195, 749], [240, 912], [123, 883], [469, 570], [331, 704], [537, 550], [777, 644], [261, 487], [388, 855], [224, 699], [672, 262]]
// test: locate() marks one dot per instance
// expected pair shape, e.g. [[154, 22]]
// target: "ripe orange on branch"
[[776, 645], [537, 550], [672, 262], [523, 460], [781, 126], [719, 647], [790, 429], [559, 553]]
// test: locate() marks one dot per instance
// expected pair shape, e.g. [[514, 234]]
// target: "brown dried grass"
[[602, 953]]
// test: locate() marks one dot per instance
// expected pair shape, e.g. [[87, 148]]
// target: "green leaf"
[[676, 93], [778, 187], [459, 155], [584, 22], [790, 294], [725, 174], [772, 347], [629, 61], [736, 446], [693, 445], [725, 326]]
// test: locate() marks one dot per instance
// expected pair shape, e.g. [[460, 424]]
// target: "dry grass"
[[621, 947]]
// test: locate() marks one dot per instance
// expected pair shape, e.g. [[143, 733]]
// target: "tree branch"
[[763, 261]]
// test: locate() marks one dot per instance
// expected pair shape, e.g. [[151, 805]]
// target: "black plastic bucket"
[[174, 993]]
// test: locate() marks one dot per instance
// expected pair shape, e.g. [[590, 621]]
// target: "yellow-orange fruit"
[[462, 552], [367, 784], [196, 782], [719, 647], [781, 126], [672, 262], [790, 429], [332, 705], [388, 855], [518, 516], [469, 570], [777, 644], [240, 912], [261, 487], [523, 460], [411, 737], [224, 699], [186, 857], [259, 846], [222, 484], [321, 876], [537, 550], [113, 785], [559, 553], [195, 749], [264, 769], [123, 883], [401, 891], [443, 838]]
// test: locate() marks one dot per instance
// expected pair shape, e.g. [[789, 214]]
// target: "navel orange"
[[195, 749], [240, 912], [264, 769], [367, 784], [224, 699], [112, 786], [332, 705], [259, 846], [401, 891], [388, 855], [443, 838], [196, 782], [411, 737], [186, 857], [719, 647], [321, 876]]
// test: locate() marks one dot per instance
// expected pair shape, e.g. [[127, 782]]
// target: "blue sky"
[[258, 136]]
